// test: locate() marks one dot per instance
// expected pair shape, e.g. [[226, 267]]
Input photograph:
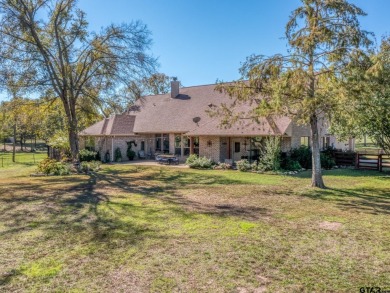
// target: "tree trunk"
[[21, 143], [70, 111], [316, 178], [14, 144], [74, 143]]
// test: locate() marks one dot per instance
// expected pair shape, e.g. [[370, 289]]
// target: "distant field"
[[21, 158]]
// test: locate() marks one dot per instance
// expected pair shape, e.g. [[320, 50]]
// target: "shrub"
[[244, 165], [270, 156], [87, 155], [223, 166], [255, 166], [201, 163], [90, 166], [118, 155], [130, 153], [327, 162], [52, 167], [302, 155], [293, 165], [191, 158]]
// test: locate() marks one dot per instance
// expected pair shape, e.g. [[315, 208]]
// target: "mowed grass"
[[21, 159], [161, 229]]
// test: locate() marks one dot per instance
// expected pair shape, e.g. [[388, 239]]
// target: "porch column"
[[191, 145], [112, 149], [229, 148], [181, 145]]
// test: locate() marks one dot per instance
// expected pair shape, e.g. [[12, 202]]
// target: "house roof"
[[118, 124], [187, 114]]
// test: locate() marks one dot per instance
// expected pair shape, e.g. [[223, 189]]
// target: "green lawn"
[[21, 158], [161, 229]]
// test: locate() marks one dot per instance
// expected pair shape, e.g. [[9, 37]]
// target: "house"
[[178, 123]]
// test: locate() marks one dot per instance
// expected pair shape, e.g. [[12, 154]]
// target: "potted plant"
[[130, 152], [118, 155]]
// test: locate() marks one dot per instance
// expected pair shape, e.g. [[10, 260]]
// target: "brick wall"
[[212, 152]]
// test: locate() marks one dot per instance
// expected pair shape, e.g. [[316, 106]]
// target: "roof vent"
[[175, 85], [196, 119]]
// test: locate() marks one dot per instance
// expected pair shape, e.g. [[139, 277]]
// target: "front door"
[[236, 150]]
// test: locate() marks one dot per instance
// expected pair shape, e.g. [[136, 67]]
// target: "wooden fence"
[[345, 158], [372, 162]]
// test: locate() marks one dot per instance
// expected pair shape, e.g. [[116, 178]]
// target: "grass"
[[160, 229], [21, 158]]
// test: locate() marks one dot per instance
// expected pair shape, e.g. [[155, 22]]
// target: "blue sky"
[[200, 41]]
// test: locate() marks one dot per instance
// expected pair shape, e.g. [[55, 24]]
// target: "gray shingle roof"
[[161, 113], [119, 124], [184, 114]]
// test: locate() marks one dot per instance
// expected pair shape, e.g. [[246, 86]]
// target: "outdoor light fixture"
[[209, 143]]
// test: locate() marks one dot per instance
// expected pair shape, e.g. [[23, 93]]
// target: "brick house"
[[178, 123]]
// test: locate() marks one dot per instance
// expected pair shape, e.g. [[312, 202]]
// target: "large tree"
[[365, 99], [48, 43], [322, 35]]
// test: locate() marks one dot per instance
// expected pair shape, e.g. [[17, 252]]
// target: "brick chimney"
[[175, 85]]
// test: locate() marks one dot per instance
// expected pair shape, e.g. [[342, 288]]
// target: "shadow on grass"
[[61, 206], [347, 173], [368, 200]]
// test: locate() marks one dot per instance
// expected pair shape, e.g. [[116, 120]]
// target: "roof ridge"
[[104, 128]]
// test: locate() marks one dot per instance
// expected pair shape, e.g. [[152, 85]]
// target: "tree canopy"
[[365, 98], [48, 47], [322, 37]]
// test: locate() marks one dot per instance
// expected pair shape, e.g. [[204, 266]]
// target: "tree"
[[366, 98], [158, 83], [322, 35], [59, 57]]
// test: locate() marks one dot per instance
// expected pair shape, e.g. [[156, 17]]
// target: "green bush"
[[293, 165], [201, 163], [243, 165], [90, 166], [222, 166], [130, 153], [118, 155], [87, 155], [327, 161], [52, 167], [269, 159], [191, 158], [302, 155]]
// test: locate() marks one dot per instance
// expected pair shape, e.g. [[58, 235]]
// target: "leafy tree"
[[366, 98], [157, 83], [322, 36], [58, 56]]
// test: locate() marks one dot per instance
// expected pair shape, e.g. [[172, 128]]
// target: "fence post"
[[357, 161], [380, 163]]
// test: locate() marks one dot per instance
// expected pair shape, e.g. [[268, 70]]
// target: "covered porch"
[[229, 149]]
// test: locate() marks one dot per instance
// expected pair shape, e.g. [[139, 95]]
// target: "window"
[[325, 142], [165, 143], [162, 143], [196, 145], [158, 143], [142, 146], [305, 141], [237, 147], [178, 144]]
